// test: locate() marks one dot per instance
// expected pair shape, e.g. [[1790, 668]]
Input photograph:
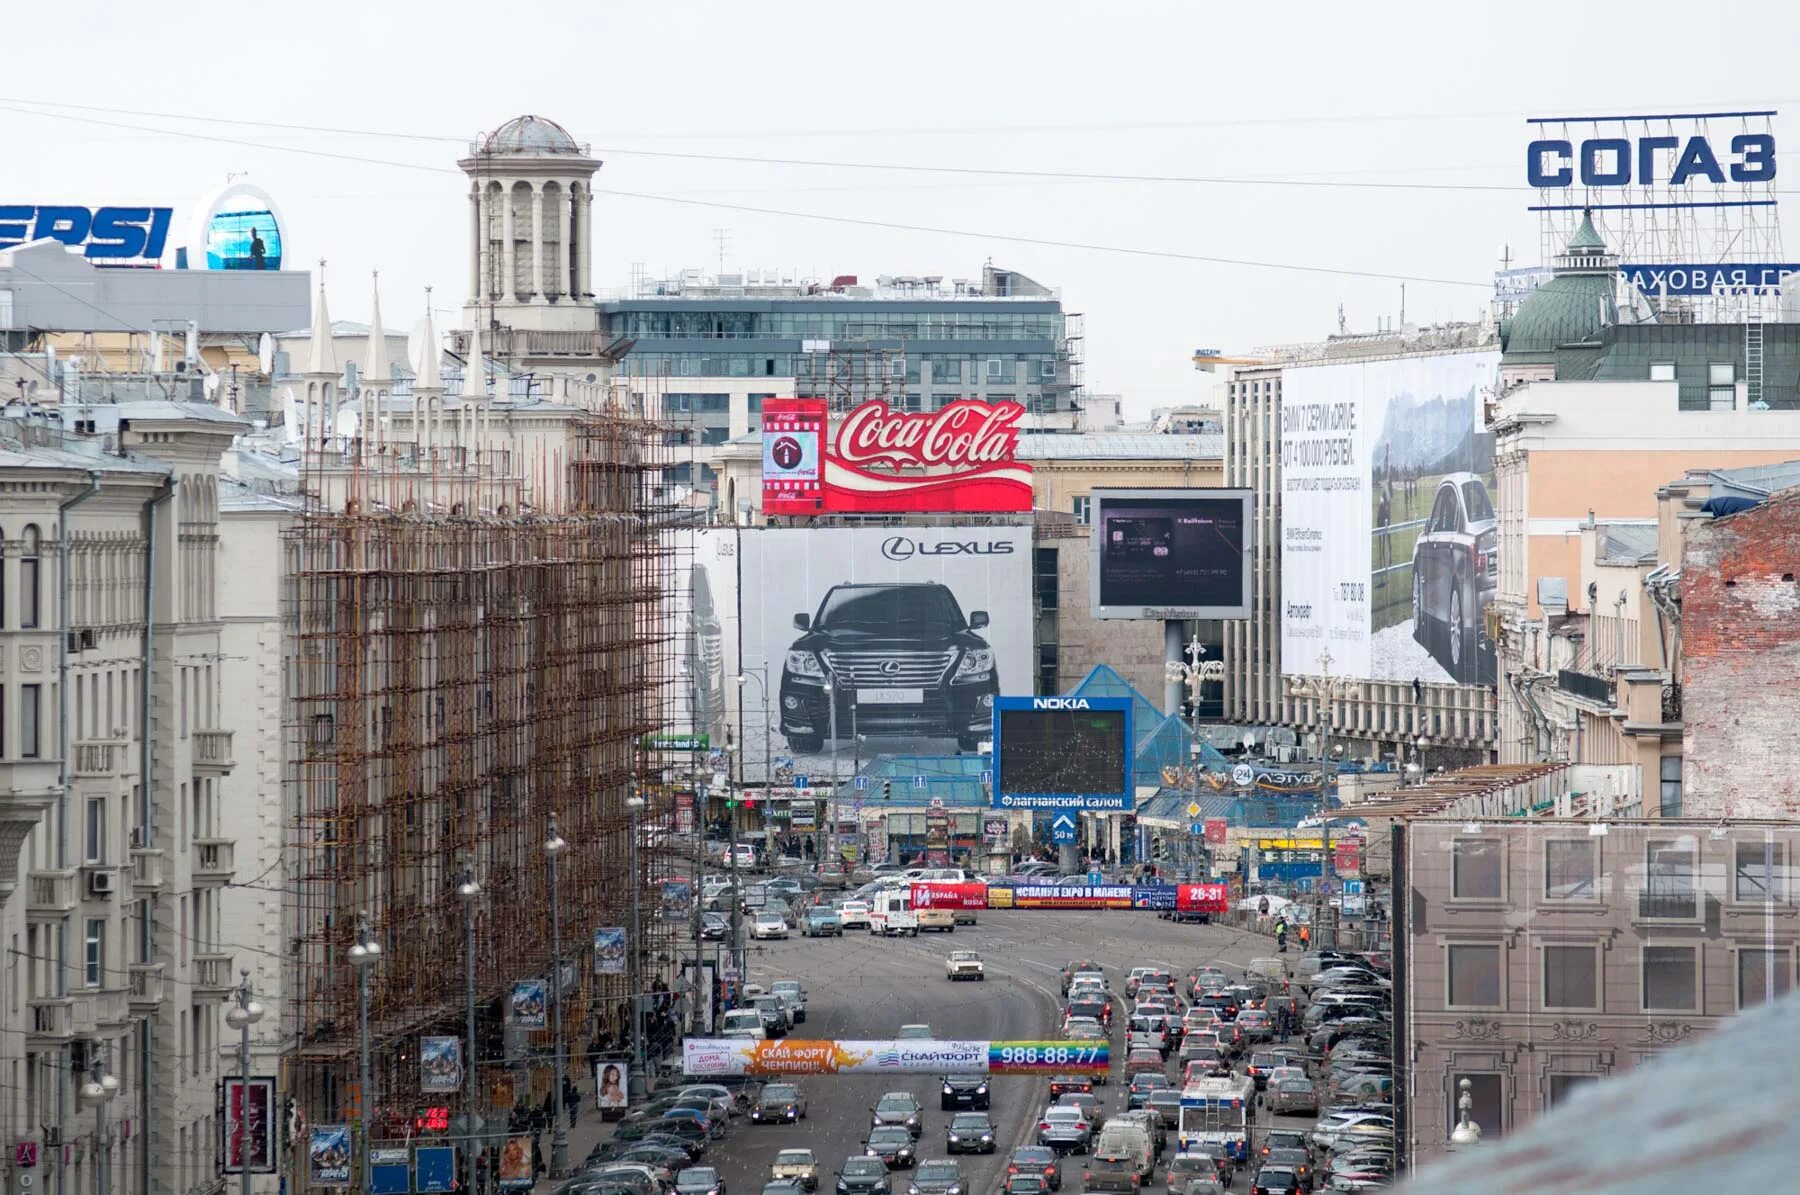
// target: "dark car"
[[1061, 1085], [1039, 1160], [1137, 1095], [714, 927], [1454, 569], [939, 1176], [779, 1103], [1277, 1180], [970, 1133], [1167, 1105], [699, 1180], [893, 1144], [1074, 968], [897, 1108], [1297, 1160], [1025, 1184], [905, 650], [1100, 1010], [1276, 1139], [964, 1091], [863, 1176], [1198, 1163]]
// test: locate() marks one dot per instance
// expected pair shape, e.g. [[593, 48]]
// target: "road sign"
[[918, 782], [936, 803], [1198, 829], [862, 783], [987, 776], [803, 782], [1354, 902], [805, 817], [1193, 809], [1096, 879], [1243, 776], [1062, 828]]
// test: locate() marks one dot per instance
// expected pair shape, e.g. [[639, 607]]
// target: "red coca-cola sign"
[[962, 457]]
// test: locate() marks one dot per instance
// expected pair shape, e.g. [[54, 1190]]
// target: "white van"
[[891, 913], [1123, 1159], [744, 1022]]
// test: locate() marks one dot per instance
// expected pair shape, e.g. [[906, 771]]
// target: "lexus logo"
[[890, 667], [898, 547]]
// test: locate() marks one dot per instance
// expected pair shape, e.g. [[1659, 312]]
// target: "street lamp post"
[[1466, 1132], [634, 804], [469, 891], [1324, 689], [364, 954], [554, 846], [1193, 674], [243, 1013], [99, 1091]]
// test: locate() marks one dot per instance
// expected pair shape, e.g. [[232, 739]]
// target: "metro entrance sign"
[[962, 457]]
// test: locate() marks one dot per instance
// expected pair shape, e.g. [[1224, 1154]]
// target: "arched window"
[[30, 590]]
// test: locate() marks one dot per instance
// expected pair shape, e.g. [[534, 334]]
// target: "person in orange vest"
[[1305, 936]]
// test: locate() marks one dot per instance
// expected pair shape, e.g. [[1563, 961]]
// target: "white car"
[[769, 925], [854, 913], [1335, 1129], [964, 964]]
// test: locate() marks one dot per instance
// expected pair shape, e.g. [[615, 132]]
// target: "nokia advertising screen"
[[1171, 554], [1078, 752]]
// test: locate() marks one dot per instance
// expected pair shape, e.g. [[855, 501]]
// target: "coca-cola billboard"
[[962, 457]]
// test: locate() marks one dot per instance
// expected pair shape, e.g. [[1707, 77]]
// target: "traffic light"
[[887, 790]]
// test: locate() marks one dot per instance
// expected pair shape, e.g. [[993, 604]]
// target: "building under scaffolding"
[[477, 640]]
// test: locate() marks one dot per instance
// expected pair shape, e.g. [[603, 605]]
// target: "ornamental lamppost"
[[1324, 690]]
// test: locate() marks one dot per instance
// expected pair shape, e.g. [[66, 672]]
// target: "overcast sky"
[[1418, 93]]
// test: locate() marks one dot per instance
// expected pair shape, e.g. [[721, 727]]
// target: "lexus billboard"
[[1388, 538], [1171, 554], [877, 640]]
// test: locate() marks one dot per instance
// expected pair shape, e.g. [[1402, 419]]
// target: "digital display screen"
[[243, 241], [1076, 752], [1171, 554]]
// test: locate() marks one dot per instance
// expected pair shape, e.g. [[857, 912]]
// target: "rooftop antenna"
[[1343, 324], [721, 237], [1403, 306]]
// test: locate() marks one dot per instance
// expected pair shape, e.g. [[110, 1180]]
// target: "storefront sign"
[[959, 458]]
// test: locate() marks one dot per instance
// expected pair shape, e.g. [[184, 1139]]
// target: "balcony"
[[212, 751], [212, 975], [1585, 685], [52, 893], [1668, 905], [215, 860], [146, 869], [147, 987], [52, 1021], [97, 759], [96, 1007]]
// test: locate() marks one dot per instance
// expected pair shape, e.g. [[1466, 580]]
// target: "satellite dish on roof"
[[265, 353], [347, 423]]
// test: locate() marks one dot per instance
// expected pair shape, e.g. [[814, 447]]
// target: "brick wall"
[[1740, 636]]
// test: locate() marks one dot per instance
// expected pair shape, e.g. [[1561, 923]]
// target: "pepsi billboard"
[[1063, 753], [105, 235]]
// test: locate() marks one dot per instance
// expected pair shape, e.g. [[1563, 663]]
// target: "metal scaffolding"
[[459, 671]]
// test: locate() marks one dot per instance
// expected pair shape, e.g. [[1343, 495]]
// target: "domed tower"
[[1556, 331], [531, 228]]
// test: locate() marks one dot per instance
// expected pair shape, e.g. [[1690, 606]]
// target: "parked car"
[[793, 995], [1455, 567], [916, 664]]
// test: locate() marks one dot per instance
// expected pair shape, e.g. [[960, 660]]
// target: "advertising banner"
[[1157, 897], [529, 1006], [517, 1168], [1215, 831], [915, 629], [1171, 554], [440, 1064], [1349, 856], [1388, 553], [704, 1057], [677, 900], [961, 457], [1203, 898], [704, 608], [328, 1155], [611, 1082], [1085, 896], [947, 895], [1063, 753], [609, 950], [249, 1126]]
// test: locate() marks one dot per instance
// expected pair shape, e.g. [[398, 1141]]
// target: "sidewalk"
[[591, 1129]]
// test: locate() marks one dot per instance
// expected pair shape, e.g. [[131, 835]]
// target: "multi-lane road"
[[862, 987]]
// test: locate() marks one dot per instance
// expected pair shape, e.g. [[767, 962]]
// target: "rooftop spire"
[[377, 368], [322, 358], [431, 372], [475, 376], [1587, 237]]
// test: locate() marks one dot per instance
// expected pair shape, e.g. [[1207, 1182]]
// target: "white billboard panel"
[[704, 605], [914, 630], [1388, 547]]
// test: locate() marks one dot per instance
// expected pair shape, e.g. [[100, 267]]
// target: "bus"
[[1218, 1113]]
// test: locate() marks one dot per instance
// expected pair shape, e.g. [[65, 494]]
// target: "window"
[[1671, 786], [1564, 1086], [1671, 879], [96, 830], [1762, 975], [1662, 371], [1475, 869], [1571, 977], [1671, 979], [1473, 977], [1484, 1101], [1721, 386], [1756, 872], [1571, 867], [29, 590], [30, 706], [996, 370], [94, 960], [1083, 507]]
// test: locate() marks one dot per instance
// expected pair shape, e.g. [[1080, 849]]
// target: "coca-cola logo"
[[963, 435]]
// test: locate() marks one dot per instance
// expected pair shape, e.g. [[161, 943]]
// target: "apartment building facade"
[[1536, 955]]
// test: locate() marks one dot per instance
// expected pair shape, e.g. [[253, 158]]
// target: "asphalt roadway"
[[865, 987]]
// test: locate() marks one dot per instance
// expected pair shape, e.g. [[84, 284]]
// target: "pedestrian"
[[1281, 936], [571, 1097], [1305, 935]]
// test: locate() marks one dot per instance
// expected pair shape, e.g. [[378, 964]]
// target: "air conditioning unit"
[[101, 882], [139, 839]]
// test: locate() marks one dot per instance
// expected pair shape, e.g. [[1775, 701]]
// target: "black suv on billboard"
[[916, 665], [1454, 570]]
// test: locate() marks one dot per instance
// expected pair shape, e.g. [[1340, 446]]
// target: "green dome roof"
[[1573, 307]]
